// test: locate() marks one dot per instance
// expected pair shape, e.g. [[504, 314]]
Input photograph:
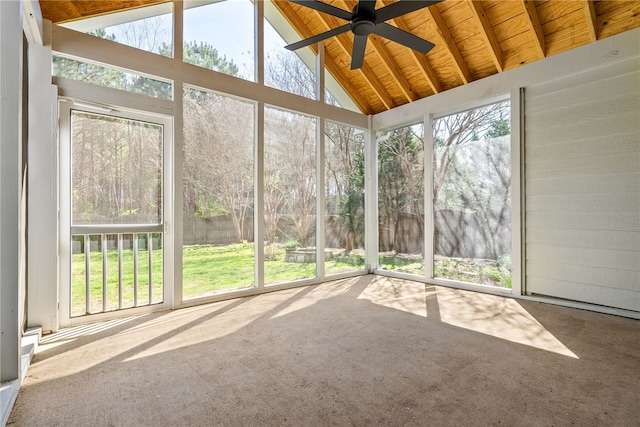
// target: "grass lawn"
[[128, 293], [404, 263], [206, 269]]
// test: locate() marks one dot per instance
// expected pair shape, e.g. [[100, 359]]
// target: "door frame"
[[66, 106]]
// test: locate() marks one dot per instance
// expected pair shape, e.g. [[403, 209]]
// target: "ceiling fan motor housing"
[[363, 27], [362, 23]]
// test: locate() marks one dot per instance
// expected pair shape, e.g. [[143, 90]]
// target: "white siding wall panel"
[[591, 294], [538, 183], [587, 147], [595, 239], [582, 174], [584, 257], [615, 201]]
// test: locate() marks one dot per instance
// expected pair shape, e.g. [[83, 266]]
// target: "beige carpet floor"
[[363, 351]]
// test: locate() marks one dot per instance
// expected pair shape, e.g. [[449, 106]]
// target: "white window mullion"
[[517, 191], [371, 198], [178, 35], [320, 198], [258, 214], [320, 163], [428, 195], [259, 42], [173, 158], [320, 81]]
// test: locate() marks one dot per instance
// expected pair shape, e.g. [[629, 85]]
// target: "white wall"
[[10, 185], [582, 139]]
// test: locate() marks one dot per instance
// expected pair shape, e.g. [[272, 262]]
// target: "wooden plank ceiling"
[[474, 39]]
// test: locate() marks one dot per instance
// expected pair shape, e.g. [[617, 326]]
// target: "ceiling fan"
[[365, 19]]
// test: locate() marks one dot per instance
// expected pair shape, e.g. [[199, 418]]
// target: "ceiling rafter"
[[474, 39], [590, 15], [388, 62], [347, 45], [449, 44], [423, 64], [487, 33], [534, 21], [329, 62], [391, 66]]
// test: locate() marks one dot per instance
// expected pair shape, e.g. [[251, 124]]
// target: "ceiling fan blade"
[[318, 38], [400, 8], [400, 36], [368, 6], [357, 55], [324, 7]]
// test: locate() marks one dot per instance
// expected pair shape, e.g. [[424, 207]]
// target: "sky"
[[227, 26]]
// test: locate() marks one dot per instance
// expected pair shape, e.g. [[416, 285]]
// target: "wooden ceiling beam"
[[487, 33], [534, 20], [388, 62], [302, 29], [449, 44], [421, 60], [59, 11], [590, 16], [393, 68]]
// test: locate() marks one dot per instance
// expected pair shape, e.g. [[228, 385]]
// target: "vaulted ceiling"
[[474, 39]]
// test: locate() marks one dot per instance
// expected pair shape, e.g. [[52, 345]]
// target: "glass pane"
[[116, 170], [218, 251], [152, 34], [110, 77], [344, 194], [220, 36], [283, 69], [472, 196], [401, 200], [289, 196]]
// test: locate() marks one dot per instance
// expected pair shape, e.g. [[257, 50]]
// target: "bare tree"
[[285, 70], [290, 142], [344, 181], [117, 166], [457, 130], [218, 133], [406, 147]]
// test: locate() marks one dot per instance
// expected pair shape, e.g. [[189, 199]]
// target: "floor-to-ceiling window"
[[344, 178], [217, 204], [472, 196], [401, 218], [289, 196]]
